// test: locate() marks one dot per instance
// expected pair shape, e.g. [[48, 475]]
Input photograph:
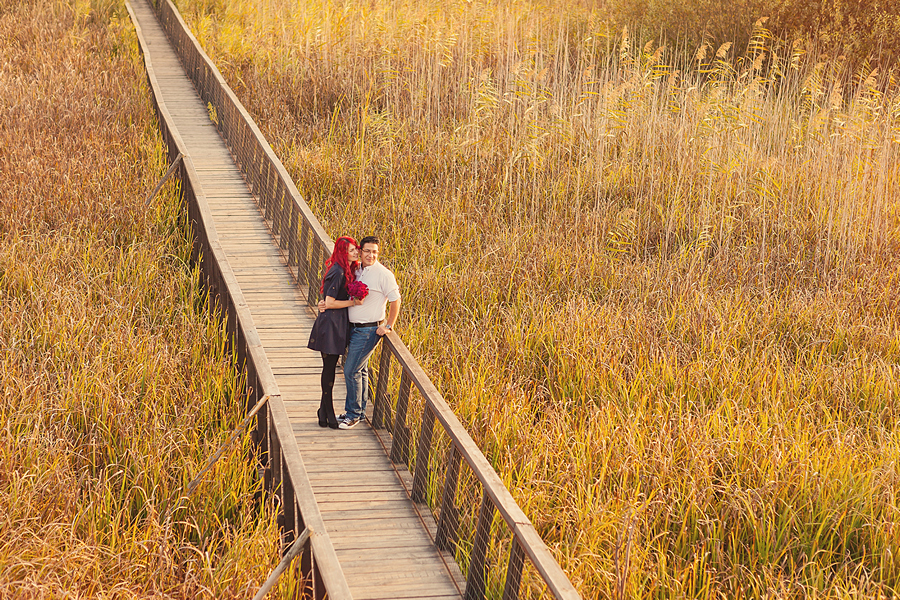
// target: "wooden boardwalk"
[[383, 545]]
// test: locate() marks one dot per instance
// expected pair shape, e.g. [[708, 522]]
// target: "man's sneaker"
[[343, 417], [349, 423]]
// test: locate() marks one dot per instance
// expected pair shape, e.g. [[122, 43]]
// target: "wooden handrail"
[[519, 523], [306, 244], [222, 282]]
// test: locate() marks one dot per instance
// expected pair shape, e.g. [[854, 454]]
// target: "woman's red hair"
[[340, 257]]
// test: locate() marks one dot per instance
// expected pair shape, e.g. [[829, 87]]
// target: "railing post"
[[282, 219], [263, 201], [256, 169], [475, 581], [249, 368], [228, 123], [275, 470], [514, 571], [292, 227], [303, 260], [247, 157], [312, 273], [400, 432], [318, 584], [266, 197], [266, 450], [288, 506], [382, 409], [423, 454], [448, 524], [240, 148], [306, 570]]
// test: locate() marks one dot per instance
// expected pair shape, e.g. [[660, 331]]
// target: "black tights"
[[326, 406]]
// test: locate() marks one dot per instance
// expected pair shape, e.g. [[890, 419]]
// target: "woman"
[[331, 330]]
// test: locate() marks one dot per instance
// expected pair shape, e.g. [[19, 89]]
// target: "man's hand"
[[391, 318], [321, 306]]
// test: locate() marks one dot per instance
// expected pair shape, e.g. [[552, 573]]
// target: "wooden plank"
[[327, 479], [374, 593], [361, 515], [297, 323], [311, 365], [287, 311], [361, 458], [341, 444], [242, 260], [419, 555], [251, 246], [392, 587], [364, 509], [362, 495], [339, 486], [424, 574], [375, 524], [294, 356], [428, 578], [296, 319], [414, 534], [358, 469]]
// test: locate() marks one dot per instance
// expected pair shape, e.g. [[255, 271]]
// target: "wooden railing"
[[284, 473], [471, 515]]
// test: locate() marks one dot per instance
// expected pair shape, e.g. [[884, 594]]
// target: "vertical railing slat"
[[514, 571], [292, 231], [312, 273], [382, 411], [448, 523], [423, 454], [400, 432], [303, 259], [475, 580]]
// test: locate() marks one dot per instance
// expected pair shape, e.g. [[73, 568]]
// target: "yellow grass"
[[661, 288], [664, 298], [115, 384]]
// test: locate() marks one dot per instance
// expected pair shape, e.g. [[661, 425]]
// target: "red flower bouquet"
[[358, 289]]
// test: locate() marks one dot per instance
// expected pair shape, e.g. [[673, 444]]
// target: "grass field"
[[661, 287], [115, 384]]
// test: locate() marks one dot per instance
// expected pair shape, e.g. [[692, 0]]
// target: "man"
[[367, 325]]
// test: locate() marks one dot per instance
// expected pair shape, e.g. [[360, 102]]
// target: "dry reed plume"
[[115, 384], [661, 288]]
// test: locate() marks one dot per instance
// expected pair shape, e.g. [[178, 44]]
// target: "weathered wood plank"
[[348, 470], [327, 478]]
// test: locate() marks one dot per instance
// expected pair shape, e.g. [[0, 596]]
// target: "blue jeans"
[[356, 370]]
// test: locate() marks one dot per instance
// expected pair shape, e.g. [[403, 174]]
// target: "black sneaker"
[[349, 423]]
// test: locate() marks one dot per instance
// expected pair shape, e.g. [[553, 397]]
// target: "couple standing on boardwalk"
[[351, 320]]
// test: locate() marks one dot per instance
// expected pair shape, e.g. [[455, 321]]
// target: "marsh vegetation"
[[659, 283], [116, 387]]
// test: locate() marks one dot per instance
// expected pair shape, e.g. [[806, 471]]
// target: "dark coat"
[[331, 331]]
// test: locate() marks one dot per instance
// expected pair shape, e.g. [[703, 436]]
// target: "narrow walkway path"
[[384, 548]]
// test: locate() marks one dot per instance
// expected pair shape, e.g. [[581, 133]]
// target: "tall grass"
[[115, 383], [661, 287]]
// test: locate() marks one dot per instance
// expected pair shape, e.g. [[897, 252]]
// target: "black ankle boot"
[[326, 414]]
